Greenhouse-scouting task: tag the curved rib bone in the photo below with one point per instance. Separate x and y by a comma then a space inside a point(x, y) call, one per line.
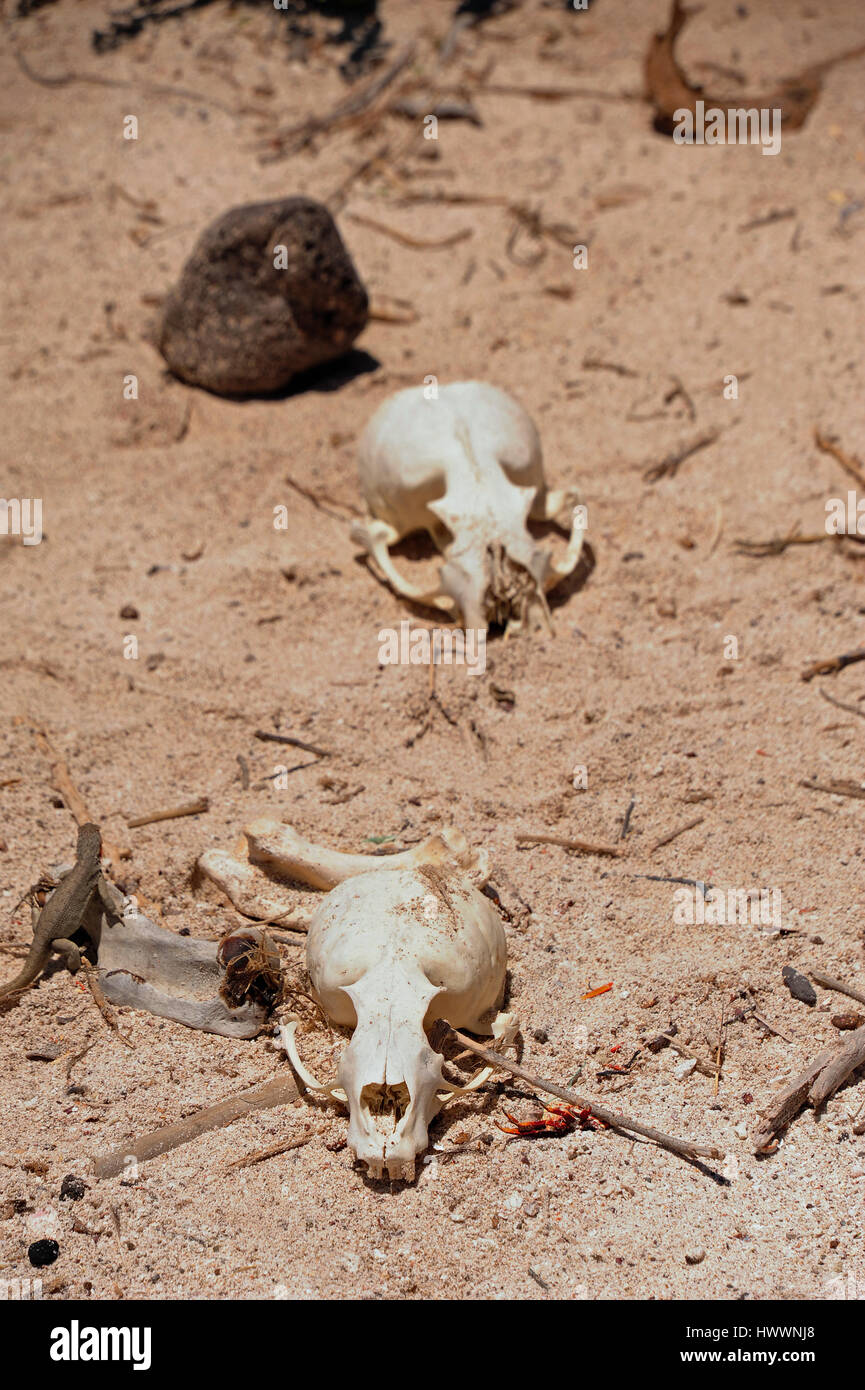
point(250, 890)
point(287, 1033)
point(375, 537)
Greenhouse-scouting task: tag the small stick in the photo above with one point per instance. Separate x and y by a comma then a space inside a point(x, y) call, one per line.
point(674, 834)
point(833, 664)
point(296, 138)
point(75, 1058)
point(828, 982)
point(820, 1079)
point(770, 1027)
point(760, 550)
point(850, 465)
point(101, 1002)
point(607, 1117)
point(702, 1065)
point(626, 822)
point(189, 808)
point(851, 1056)
point(777, 215)
point(836, 787)
point(596, 364)
point(272, 1152)
point(310, 496)
point(397, 311)
point(556, 93)
point(582, 846)
point(265, 737)
point(669, 466)
point(404, 239)
point(842, 704)
point(280, 1090)
point(720, 1053)
point(62, 782)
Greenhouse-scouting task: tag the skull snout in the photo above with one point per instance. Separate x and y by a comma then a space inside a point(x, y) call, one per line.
point(389, 1120)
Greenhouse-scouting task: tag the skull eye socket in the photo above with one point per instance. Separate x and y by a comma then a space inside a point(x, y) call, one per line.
point(387, 1103)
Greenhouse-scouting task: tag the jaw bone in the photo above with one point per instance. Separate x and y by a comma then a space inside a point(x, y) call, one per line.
point(465, 467)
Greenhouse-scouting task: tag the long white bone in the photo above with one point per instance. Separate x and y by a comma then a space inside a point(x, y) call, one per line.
point(277, 851)
point(464, 466)
point(287, 853)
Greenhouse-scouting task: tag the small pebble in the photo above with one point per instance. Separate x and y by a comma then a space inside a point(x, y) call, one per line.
point(695, 1257)
point(129, 611)
point(540, 1035)
point(43, 1252)
point(72, 1188)
point(799, 987)
point(846, 1021)
point(45, 1052)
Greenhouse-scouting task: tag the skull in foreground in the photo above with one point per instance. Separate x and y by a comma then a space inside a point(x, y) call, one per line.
point(466, 467)
point(389, 953)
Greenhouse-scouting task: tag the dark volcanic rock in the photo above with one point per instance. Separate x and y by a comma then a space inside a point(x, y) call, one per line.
point(800, 987)
point(238, 325)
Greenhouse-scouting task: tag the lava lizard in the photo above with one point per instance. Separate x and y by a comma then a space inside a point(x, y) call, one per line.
point(65, 911)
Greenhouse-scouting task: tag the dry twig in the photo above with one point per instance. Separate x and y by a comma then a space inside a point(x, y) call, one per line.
point(832, 664)
point(280, 1090)
point(189, 808)
point(669, 466)
point(842, 704)
point(828, 982)
point(101, 1002)
point(836, 786)
point(674, 834)
point(405, 239)
point(814, 1086)
point(849, 464)
point(265, 737)
point(621, 1123)
point(582, 846)
point(291, 140)
point(272, 1152)
point(62, 781)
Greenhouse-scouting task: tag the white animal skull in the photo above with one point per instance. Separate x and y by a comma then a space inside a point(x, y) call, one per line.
point(401, 941)
point(388, 954)
point(466, 467)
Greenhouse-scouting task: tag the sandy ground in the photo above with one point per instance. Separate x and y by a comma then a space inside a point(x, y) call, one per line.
point(167, 504)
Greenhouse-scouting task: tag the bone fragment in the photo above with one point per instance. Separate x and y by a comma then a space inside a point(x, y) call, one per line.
point(281, 1090)
point(284, 851)
point(250, 890)
point(143, 966)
